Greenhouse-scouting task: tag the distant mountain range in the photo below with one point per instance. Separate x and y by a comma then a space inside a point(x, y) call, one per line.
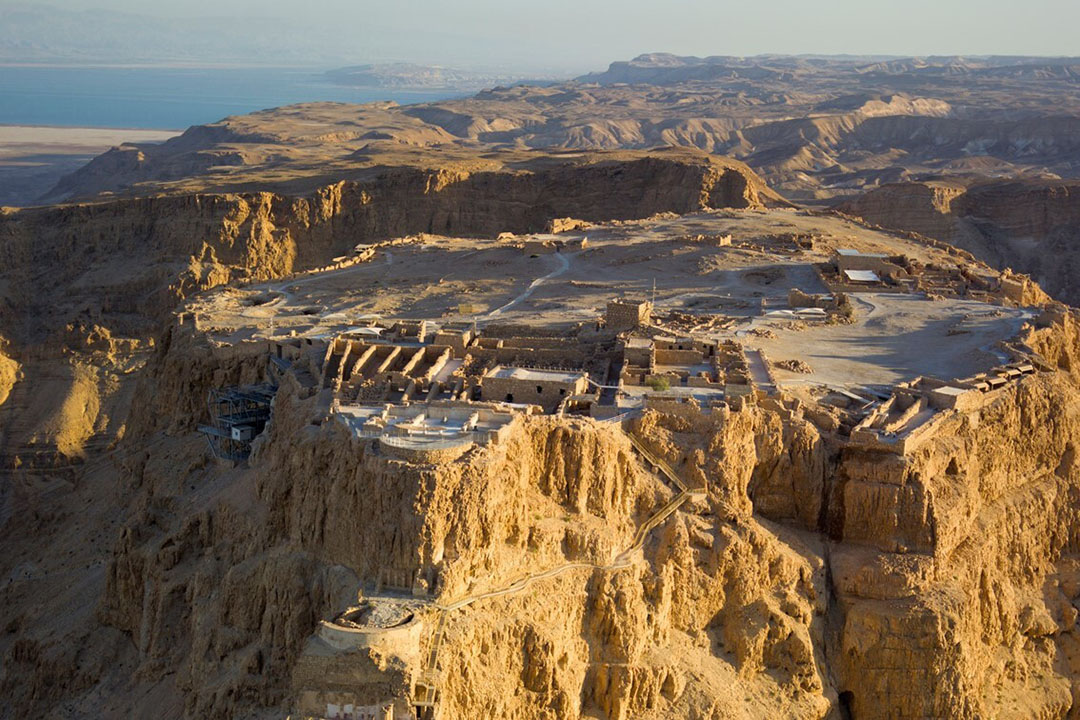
point(666, 68)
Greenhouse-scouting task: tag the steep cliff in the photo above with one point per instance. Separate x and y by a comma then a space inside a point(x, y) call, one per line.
point(721, 608)
point(554, 572)
point(87, 287)
point(300, 534)
point(1032, 226)
point(812, 578)
point(958, 568)
point(148, 253)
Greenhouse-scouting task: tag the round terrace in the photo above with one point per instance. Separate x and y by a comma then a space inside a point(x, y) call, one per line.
point(374, 622)
point(426, 448)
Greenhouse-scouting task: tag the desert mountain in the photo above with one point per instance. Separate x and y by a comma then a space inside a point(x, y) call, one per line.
point(544, 404)
point(813, 128)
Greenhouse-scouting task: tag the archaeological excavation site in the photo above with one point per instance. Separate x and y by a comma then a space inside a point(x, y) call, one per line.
point(381, 412)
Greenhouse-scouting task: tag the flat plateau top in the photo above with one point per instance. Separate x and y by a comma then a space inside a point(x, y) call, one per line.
point(464, 280)
point(895, 337)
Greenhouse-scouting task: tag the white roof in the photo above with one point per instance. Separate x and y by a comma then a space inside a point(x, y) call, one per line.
point(515, 373)
point(811, 311)
point(862, 276)
point(849, 252)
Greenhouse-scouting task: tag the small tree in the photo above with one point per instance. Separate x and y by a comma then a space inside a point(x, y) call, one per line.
point(659, 383)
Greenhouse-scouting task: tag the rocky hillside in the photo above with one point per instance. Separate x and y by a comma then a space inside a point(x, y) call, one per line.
point(810, 580)
point(808, 574)
point(86, 287)
point(814, 128)
point(1031, 226)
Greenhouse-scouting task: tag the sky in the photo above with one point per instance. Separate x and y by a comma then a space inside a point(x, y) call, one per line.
point(569, 35)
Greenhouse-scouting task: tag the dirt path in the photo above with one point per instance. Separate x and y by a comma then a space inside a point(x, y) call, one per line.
point(624, 559)
point(564, 265)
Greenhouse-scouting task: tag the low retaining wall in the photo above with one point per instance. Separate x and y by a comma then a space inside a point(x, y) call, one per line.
point(435, 452)
point(401, 637)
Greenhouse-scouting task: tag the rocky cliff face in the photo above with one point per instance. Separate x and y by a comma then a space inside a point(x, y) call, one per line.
point(950, 563)
point(87, 287)
point(718, 592)
point(483, 520)
point(942, 583)
point(297, 533)
point(149, 253)
point(1031, 226)
point(812, 579)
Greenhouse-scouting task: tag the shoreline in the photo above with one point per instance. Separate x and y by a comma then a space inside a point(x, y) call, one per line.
point(102, 128)
point(157, 66)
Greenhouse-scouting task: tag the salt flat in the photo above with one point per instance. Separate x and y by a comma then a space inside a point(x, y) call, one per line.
point(33, 158)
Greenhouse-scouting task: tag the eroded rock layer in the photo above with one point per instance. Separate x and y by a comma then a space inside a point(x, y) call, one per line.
point(940, 581)
point(1032, 226)
point(781, 565)
point(86, 287)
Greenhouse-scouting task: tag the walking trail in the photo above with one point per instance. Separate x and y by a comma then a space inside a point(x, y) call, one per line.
point(429, 685)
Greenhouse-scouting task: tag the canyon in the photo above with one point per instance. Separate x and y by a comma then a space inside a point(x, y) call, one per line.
point(1029, 225)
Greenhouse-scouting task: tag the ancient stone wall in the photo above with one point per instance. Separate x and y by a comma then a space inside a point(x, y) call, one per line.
point(625, 315)
point(547, 393)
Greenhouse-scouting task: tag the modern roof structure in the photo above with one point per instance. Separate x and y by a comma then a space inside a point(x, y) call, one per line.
point(866, 276)
point(850, 252)
point(516, 373)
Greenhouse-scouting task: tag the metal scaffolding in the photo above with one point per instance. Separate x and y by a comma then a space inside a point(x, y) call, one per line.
point(237, 415)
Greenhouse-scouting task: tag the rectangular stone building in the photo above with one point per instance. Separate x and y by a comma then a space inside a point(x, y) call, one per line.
point(546, 388)
point(627, 314)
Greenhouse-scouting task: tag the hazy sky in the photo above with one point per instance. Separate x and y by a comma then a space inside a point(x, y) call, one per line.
point(584, 35)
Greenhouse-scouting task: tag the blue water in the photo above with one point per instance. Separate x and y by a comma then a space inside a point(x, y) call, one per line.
point(166, 98)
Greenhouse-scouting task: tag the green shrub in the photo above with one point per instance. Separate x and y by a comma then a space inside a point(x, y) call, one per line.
point(659, 383)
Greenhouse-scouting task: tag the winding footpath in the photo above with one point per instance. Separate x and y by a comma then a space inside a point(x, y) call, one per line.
point(564, 265)
point(623, 560)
